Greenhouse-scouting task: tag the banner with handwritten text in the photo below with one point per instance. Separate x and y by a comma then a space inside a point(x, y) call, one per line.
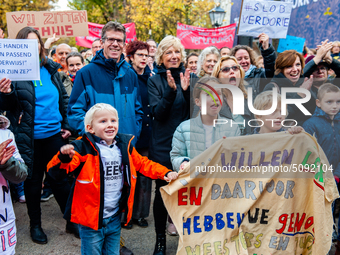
point(62, 23)
point(291, 43)
point(199, 38)
point(270, 17)
point(226, 203)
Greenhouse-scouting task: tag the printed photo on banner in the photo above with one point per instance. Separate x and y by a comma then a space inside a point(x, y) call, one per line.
point(19, 59)
point(270, 17)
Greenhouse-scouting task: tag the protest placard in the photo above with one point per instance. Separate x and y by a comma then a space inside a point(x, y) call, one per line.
point(267, 17)
point(199, 38)
point(95, 32)
point(19, 59)
point(291, 43)
point(260, 194)
point(62, 23)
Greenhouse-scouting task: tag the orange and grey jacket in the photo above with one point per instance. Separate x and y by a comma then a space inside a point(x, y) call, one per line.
point(86, 200)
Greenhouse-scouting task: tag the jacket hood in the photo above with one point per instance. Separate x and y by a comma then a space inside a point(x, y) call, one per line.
point(283, 81)
point(109, 64)
point(320, 113)
point(6, 121)
point(52, 67)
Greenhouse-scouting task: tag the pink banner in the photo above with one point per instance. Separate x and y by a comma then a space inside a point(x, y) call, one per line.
point(200, 38)
point(95, 31)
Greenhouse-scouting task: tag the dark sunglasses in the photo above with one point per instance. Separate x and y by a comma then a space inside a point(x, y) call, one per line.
point(227, 69)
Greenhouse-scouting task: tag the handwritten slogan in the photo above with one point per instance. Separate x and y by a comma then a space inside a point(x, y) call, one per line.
point(19, 59)
point(199, 38)
point(291, 43)
point(268, 17)
point(237, 212)
point(62, 23)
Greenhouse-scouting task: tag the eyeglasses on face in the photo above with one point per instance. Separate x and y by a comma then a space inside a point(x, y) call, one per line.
point(112, 40)
point(226, 69)
point(142, 55)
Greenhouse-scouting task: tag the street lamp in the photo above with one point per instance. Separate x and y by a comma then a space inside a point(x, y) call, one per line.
point(216, 16)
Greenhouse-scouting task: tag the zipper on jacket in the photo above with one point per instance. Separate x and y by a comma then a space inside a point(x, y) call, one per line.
point(125, 105)
point(20, 117)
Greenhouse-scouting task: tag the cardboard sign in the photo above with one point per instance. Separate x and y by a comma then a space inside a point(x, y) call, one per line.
point(199, 38)
point(62, 23)
point(95, 32)
point(19, 59)
point(291, 43)
point(267, 17)
point(259, 194)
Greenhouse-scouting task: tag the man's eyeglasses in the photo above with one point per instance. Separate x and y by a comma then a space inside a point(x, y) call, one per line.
point(142, 55)
point(320, 69)
point(112, 40)
point(227, 69)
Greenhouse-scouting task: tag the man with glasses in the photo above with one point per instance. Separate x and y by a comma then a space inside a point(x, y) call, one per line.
point(108, 79)
point(152, 52)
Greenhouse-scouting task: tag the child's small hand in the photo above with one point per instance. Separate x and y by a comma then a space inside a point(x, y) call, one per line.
point(68, 149)
point(171, 176)
point(184, 163)
point(295, 130)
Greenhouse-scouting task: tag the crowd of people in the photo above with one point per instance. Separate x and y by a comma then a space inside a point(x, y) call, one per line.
point(152, 93)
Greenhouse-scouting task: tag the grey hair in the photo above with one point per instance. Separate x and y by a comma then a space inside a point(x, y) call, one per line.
point(165, 44)
point(202, 57)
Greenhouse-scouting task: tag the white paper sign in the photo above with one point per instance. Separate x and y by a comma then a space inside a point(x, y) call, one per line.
point(19, 59)
point(268, 17)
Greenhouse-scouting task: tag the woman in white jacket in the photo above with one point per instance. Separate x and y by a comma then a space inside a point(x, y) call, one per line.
point(194, 136)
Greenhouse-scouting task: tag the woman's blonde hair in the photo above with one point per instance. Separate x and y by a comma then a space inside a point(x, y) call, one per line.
point(217, 69)
point(335, 43)
point(202, 58)
point(165, 44)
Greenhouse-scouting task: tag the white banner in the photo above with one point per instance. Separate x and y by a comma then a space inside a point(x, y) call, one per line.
point(268, 17)
point(19, 59)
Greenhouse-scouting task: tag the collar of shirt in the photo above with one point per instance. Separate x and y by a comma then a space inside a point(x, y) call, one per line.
point(103, 142)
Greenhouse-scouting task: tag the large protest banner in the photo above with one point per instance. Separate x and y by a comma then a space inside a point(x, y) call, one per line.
point(95, 31)
point(62, 23)
point(199, 38)
point(19, 59)
point(270, 17)
point(283, 207)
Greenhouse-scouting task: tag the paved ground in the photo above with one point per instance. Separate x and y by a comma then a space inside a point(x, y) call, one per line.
point(140, 240)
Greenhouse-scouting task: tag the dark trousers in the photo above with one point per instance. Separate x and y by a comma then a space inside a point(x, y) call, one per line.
point(44, 150)
point(160, 213)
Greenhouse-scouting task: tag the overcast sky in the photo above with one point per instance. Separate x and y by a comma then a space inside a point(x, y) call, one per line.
point(61, 5)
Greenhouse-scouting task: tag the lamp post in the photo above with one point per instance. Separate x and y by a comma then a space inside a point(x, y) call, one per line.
point(216, 16)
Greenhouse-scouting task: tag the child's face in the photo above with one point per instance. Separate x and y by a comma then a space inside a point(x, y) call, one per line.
point(104, 125)
point(212, 108)
point(330, 103)
point(272, 122)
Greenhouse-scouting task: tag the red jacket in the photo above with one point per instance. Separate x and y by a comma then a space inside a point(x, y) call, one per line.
point(86, 200)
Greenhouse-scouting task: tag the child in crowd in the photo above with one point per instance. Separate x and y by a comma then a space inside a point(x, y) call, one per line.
point(194, 136)
point(5, 134)
point(325, 126)
point(105, 166)
point(272, 122)
point(11, 169)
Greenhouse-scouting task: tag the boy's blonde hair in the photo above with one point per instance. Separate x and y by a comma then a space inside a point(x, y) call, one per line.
point(327, 88)
point(97, 107)
point(264, 101)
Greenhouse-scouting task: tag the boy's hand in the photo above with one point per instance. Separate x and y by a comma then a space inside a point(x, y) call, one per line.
point(171, 176)
point(295, 130)
point(68, 149)
point(6, 152)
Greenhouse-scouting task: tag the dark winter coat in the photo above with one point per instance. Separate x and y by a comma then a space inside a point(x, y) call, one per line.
point(19, 105)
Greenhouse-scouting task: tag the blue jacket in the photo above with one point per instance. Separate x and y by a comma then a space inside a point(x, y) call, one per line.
point(105, 81)
point(327, 133)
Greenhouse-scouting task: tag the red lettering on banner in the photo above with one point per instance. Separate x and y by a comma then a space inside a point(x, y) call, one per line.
point(10, 237)
point(30, 20)
point(69, 31)
point(181, 197)
point(19, 19)
point(45, 30)
point(294, 228)
point(196, 199)
point(48, 18)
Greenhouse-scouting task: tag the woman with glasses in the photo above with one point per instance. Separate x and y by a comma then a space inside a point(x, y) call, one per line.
point(138, 54)
point(231, 73)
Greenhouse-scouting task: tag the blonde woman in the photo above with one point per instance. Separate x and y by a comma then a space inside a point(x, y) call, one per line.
point(207, 60)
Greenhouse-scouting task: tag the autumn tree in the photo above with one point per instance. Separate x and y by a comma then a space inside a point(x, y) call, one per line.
point(22, 5)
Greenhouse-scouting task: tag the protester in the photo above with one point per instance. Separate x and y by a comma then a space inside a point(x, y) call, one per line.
point(257, 78)
point(83, 52)
point(191, 62)
point(225, 51)
point(62, 51)
point(108, 67)
point(99, 221)
point(259, 62)
point(138, 53)
point(207, 60)
point(96, 46)
point(37, 111)
point(11, 169)
point(336, 50)
point(152, 52)
point(289, 73)
point(202, 131)
point(230, 72)
point(169, 97)
point(74, 62)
